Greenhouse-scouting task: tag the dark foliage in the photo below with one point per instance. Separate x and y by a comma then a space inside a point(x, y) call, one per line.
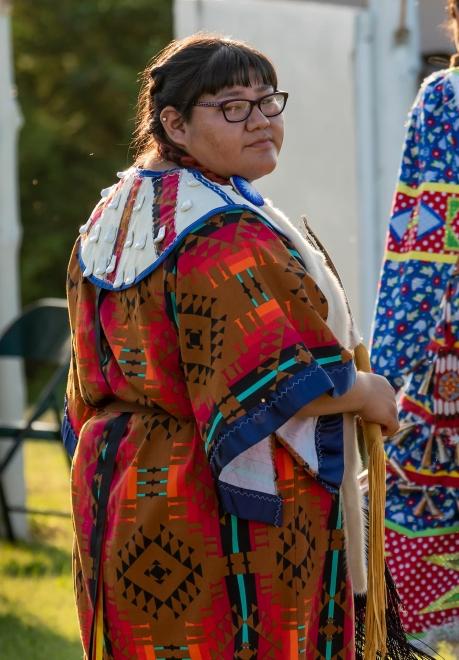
point(76, 69)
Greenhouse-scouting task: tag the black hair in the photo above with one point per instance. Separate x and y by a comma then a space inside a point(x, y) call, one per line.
point(185, 70)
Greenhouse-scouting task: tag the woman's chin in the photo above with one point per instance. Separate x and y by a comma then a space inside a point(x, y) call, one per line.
point(260, 169)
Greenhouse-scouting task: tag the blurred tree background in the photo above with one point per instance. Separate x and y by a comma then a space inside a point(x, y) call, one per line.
point(76, 67)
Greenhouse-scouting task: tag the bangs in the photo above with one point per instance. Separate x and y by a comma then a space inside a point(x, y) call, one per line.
point(233, 65)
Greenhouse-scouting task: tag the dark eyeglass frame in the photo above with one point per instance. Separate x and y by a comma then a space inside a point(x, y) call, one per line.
point(221, 105)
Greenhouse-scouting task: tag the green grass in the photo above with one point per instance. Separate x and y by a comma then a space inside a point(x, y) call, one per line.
point(38, 619)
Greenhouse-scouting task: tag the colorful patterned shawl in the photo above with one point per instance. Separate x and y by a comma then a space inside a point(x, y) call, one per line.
point(416, 346)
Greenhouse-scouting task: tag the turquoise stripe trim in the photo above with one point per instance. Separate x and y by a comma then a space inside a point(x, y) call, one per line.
point(142, 363)
point(286, 365)
point(243, 597)
point(217, 419)
point(239, 277)
point(256, 386)
point(265, 379)
point(234, 538)
point(247, 393)
point(331, 605)
point(174, 308)
point(333, 581)
point(240, 581)
point(162, 493)
point(329, 360)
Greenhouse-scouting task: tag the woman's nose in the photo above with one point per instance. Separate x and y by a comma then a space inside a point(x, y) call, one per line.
point(256, 119)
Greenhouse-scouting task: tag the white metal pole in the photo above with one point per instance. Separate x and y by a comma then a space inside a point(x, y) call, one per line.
point(11, 381)
point(387, 68)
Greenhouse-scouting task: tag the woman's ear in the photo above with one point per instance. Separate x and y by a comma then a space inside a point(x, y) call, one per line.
point(174, 125)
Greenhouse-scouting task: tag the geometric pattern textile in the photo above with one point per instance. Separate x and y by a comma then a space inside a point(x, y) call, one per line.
point(210, 353)
point(416, 346)
point(426, 565)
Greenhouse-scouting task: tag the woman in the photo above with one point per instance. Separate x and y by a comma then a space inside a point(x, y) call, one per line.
point(415, 345)
point(211, 372)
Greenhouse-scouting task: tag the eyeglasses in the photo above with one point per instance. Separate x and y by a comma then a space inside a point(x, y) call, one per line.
point(235, 110)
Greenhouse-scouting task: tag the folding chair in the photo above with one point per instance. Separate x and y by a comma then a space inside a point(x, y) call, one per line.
point(41, 335)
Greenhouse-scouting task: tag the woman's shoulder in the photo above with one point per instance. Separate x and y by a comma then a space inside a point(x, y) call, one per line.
point(146, 215)
point(437, 87)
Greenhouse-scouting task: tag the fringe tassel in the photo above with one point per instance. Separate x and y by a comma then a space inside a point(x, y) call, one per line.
point(376, 605)
point(398, 647)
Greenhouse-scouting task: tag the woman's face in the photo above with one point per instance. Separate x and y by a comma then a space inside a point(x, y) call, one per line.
point(248, 148)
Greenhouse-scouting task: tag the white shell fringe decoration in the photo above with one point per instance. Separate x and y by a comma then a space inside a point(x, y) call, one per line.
point(110, 236)
point(94, 237)
point(88, 269)
point(111, 264)
point(160, 236)
point(100, 270)
point(129, 239)
point(139, 203)
point(141, 243)
point(129, 279)
point(114, 203)
point(118, 280)
point(84, 228)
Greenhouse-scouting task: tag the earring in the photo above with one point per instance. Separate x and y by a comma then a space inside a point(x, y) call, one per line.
point(163, 118)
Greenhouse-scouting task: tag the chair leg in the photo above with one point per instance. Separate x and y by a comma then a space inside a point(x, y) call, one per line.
point(5, 510)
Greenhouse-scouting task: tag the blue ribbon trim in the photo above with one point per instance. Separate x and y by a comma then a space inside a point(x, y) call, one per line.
point(69, 437)
point(330, 448)
point(264, 419)
point(250, 504)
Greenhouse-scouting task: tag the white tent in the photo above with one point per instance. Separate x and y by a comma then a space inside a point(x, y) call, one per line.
point(11, 383)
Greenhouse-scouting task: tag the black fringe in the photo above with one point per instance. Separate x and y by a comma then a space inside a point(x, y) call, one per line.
point(398, 646)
